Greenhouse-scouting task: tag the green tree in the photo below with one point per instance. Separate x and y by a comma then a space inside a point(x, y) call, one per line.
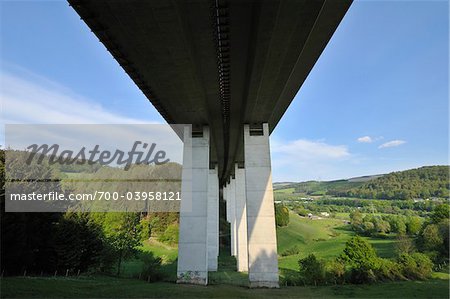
point(431, 237)
point(413, 225)
point(123, 234)
point(281, 215)
point(356, 219)
point(416, 265)
point(397, 224)
point(440, 213)
point(362, 259)
point(312, 270)
point(404, 244)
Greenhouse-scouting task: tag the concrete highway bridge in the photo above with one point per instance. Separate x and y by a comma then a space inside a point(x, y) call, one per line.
point(231, 69)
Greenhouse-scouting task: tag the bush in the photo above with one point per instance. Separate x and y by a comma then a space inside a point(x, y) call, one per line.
point(302, 212)
point(170, 235)
point(335, 272)
point(362, 260)
point(290, 277)
point(312, 270)
point(281, 215)
point(415, 266)
point(388, 270)
point(291, 251)
point(358, 253)
point(151, 270)
point(145, 228)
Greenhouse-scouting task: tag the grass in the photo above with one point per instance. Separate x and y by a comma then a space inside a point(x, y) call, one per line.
point(285, 191)
point(324, 237)
point(168, 254)
point(108, 287)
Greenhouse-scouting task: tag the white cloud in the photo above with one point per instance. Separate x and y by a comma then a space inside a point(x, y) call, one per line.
point(304, 159)
point(392, 143)
point(31, 99)
point(365, 139)
point(309, 149)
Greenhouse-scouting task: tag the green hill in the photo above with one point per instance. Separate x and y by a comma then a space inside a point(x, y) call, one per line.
point(424, 182)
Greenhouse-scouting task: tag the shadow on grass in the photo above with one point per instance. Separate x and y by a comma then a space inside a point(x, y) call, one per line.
point(226, 273)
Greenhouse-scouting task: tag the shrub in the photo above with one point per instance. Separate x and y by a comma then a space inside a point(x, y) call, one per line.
point(362, 260)
point(312, 270)
point(151, 270)
point(388, 270)
point(404, 244)
point(145, 228)
point(431, 237)
point(290, 277)
point(291, 251)
point(170, 235)
point(281, 215)
point(415, 266)
point(335, 272)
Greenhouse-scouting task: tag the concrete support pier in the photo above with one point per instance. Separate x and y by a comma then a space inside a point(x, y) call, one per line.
point(241, 220)
point(261, 234)
point(232, 202)
point(213, 219)
point(193, 240)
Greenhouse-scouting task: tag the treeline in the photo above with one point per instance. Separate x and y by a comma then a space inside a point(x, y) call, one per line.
point(425, 182)
point(381, 225)
point(430, 236)
point(405, 208)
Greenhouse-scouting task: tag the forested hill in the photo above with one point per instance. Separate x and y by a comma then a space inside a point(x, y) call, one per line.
point(424, 182)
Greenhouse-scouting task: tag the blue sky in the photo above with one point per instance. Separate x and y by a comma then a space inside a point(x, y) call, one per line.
point(376, 100)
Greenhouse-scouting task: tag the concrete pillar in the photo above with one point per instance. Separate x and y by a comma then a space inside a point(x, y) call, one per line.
point(192, 244)
point(213, 219)
point(241, 220)
point(227, 204)
point(261, 234)
point(233, 230)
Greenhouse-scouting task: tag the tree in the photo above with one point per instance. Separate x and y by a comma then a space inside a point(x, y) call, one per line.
point(413, 225)
point(404, 244)
point(368, 228)
point(431, 237)
point(356, 219)
point(397, 224)
point(358, 252)
point(79, 243)
point(123, 234)
point(281, 215)
point(362, 259)
point(440, 212)
point(416, 265)
point(312, 270)
point(382, 226)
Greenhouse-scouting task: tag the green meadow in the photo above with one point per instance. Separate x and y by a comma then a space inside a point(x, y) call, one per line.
point(324, 237)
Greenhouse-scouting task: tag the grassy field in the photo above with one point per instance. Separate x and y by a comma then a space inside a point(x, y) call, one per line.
point(324, 237)
point(285, 191)
point(168, 254)
point(108, 287)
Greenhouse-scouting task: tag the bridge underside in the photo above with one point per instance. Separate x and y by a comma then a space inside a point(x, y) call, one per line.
point(217, 63)
point(231, 69)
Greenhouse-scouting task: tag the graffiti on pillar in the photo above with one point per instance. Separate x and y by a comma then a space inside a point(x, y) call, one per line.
point(191, 277)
